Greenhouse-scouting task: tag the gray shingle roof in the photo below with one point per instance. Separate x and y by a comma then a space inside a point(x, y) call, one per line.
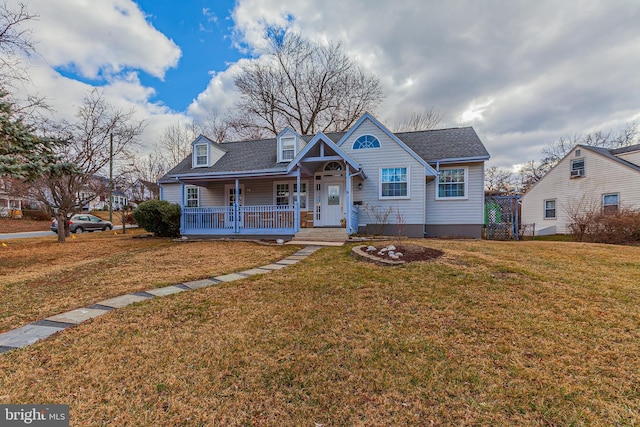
point(611, 154)
point(431, 145)
point(441, 144)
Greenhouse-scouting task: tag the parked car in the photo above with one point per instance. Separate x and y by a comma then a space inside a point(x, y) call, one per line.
point(83, 222)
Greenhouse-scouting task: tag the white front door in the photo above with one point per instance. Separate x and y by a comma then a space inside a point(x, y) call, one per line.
point(332, 203)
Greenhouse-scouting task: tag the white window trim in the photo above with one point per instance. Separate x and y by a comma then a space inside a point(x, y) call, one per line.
point(186, 196)
point(466, 184)
point(544, 209)
point(195, 155)
point(353, 146)
point(281, 158)
point(292, 197)
point(408, 196)
point(617, 205)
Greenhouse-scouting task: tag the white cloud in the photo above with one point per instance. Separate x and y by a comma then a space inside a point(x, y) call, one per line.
point(98, 38)
point(523, 74)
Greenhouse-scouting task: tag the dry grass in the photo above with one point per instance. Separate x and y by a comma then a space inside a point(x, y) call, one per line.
point(493, 333)
point(40, 278)
point(10, 225)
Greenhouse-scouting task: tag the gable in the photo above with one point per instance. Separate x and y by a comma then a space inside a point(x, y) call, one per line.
point(387, 143)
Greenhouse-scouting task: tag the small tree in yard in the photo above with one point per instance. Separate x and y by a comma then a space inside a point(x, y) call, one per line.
point(159, 217)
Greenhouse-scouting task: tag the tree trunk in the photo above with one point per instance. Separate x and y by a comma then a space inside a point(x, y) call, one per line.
point(61, 217)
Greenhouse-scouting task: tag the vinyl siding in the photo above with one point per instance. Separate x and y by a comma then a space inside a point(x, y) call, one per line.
point(389, 155)
point(171, 193)
point(602, 176)
point(633, 157)
point(257, 192)
point(464, 211)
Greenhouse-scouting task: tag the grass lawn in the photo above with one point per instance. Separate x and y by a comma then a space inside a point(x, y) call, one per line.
point(492, 333)
point(40, 277)
point(11, 225)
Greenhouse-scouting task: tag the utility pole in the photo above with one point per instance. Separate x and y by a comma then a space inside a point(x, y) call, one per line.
point(111, 178)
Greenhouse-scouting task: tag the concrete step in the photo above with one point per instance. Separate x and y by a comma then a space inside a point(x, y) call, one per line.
point(321, 235)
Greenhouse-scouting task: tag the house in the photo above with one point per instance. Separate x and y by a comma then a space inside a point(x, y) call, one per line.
point(95, 195)
point(586, 178)
point(10, 204)
point(427, 183)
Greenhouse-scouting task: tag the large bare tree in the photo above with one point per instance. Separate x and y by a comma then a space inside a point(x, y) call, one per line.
point(302, 84)
point(419, 120)
point(88, 141)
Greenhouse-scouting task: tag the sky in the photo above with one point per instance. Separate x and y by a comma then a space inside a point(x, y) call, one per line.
point(522, 73)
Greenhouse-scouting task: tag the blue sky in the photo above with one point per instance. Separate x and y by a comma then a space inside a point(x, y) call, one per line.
point(203, 30)
point(523, 74)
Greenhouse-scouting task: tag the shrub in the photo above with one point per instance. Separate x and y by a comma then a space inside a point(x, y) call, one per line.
point(36, 215)
point(621, 227)
point(159, 217)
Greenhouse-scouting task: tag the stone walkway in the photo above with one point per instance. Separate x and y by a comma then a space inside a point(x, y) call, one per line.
point(29, 334)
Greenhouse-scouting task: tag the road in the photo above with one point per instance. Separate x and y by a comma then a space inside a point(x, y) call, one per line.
point(25, 235)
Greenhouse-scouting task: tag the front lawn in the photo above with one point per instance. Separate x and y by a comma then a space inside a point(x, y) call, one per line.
point(40, 277)
point(492, 333)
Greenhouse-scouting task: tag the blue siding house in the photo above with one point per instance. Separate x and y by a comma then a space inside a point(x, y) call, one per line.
point(425, 183)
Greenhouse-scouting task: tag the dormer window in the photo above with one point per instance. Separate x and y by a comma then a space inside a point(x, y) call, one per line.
point(288, 148)
point(201, 154)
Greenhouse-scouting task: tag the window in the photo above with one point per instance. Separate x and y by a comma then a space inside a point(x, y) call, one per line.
point(288, 150)
point(284, 196)
point(333, 166)
point(577, 168)
point(366, 141)
point(303, 194)
point(610, 203)
point(394, 183)
point(201, 155)
point(452, 184)
point(549, 209)
point(193, 197)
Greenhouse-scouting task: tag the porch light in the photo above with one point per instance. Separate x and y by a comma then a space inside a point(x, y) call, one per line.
point(359, 186)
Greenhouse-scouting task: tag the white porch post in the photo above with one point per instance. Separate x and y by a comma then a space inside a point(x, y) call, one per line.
point(182, 196)
point(296, 215)
point(236, 210)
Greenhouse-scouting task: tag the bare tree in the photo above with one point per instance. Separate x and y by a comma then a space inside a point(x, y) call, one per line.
point(15, 40)
point(302, 84)
point(175, 143)
point(87, 148)
point(499, 181)
point(419, 120)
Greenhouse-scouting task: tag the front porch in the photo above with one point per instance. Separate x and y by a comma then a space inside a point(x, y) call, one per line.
point(239, 220)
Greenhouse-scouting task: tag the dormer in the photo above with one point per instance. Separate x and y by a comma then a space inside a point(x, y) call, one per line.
point(289, 144)
point(205, 152)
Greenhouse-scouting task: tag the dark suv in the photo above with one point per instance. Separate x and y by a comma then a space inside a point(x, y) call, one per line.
point(83, 222)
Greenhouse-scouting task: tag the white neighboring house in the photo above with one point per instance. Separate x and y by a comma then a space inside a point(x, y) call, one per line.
point(430, 182)
point(10, 205)
point(590, 177)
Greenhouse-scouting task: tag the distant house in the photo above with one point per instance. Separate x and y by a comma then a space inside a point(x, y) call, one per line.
point(95, 195)
point(10, 204)
point(427, 183)
point(586, 178)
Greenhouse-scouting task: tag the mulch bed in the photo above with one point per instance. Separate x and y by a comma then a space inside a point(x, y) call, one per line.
point(411, 253)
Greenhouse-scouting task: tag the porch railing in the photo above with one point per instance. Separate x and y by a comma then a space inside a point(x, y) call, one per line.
point(240, 220)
